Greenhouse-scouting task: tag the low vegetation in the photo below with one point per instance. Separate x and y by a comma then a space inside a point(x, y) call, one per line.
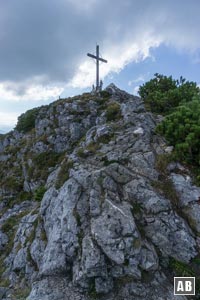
point(107, 162)
point(182, 130)
point(12, 183)
point(22, 293)
point(179, 101)
point(9, 227)
point(113, 112)
point(166, 188)
point(41, 164)
point(81, 153)
point(39, 193)
point(92, 147)
point(105, 94)
point(161, 94)
point(162, 161)
point(106, 138)
point(26, 121)
point(181, 269)
point(63, 174)
point(47, 159)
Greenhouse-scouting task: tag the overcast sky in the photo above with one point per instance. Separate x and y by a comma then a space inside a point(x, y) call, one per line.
point(43, 46)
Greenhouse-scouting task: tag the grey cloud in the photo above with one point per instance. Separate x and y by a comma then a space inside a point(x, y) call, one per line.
point(48, 39)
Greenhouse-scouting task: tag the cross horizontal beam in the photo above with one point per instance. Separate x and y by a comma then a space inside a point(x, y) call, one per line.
point(97, 66)
point(99, 58)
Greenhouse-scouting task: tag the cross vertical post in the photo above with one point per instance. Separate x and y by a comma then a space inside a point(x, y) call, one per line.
point(97, 66)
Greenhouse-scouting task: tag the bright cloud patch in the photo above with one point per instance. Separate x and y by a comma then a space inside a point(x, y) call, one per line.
point(50, 39)
point(14, 92)
point(118, 57)
point(44, 43)
point(7, 119)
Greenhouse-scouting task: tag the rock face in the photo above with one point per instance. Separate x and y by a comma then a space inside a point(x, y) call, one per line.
point(105, 228)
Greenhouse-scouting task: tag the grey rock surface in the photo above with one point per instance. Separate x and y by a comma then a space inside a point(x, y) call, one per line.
point(186, 190)
point(189, 199)
point(105, 230)
point(3, 240)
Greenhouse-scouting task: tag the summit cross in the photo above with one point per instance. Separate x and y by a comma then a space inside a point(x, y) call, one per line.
point(97, 65)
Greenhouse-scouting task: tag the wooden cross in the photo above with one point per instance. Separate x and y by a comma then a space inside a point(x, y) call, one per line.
point(97, 65)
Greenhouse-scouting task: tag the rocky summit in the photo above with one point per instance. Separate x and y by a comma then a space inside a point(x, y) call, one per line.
point(93, 206)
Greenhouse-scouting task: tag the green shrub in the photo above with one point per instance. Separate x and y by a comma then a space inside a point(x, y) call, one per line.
point(161, 94)
point(26, 121)
point(105, 94)
point(179, 100)
point(113, 112)
point(182, 130)
point(39, 193)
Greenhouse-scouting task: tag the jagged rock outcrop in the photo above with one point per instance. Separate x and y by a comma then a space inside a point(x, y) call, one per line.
point(105, 228)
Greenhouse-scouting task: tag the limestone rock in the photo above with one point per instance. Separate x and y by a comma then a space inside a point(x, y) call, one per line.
point(110, 231)
point(189, 199)
point(171, 234)
point(20, 260)
point(115, 231)
point(3, 240)
point(186, 190)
